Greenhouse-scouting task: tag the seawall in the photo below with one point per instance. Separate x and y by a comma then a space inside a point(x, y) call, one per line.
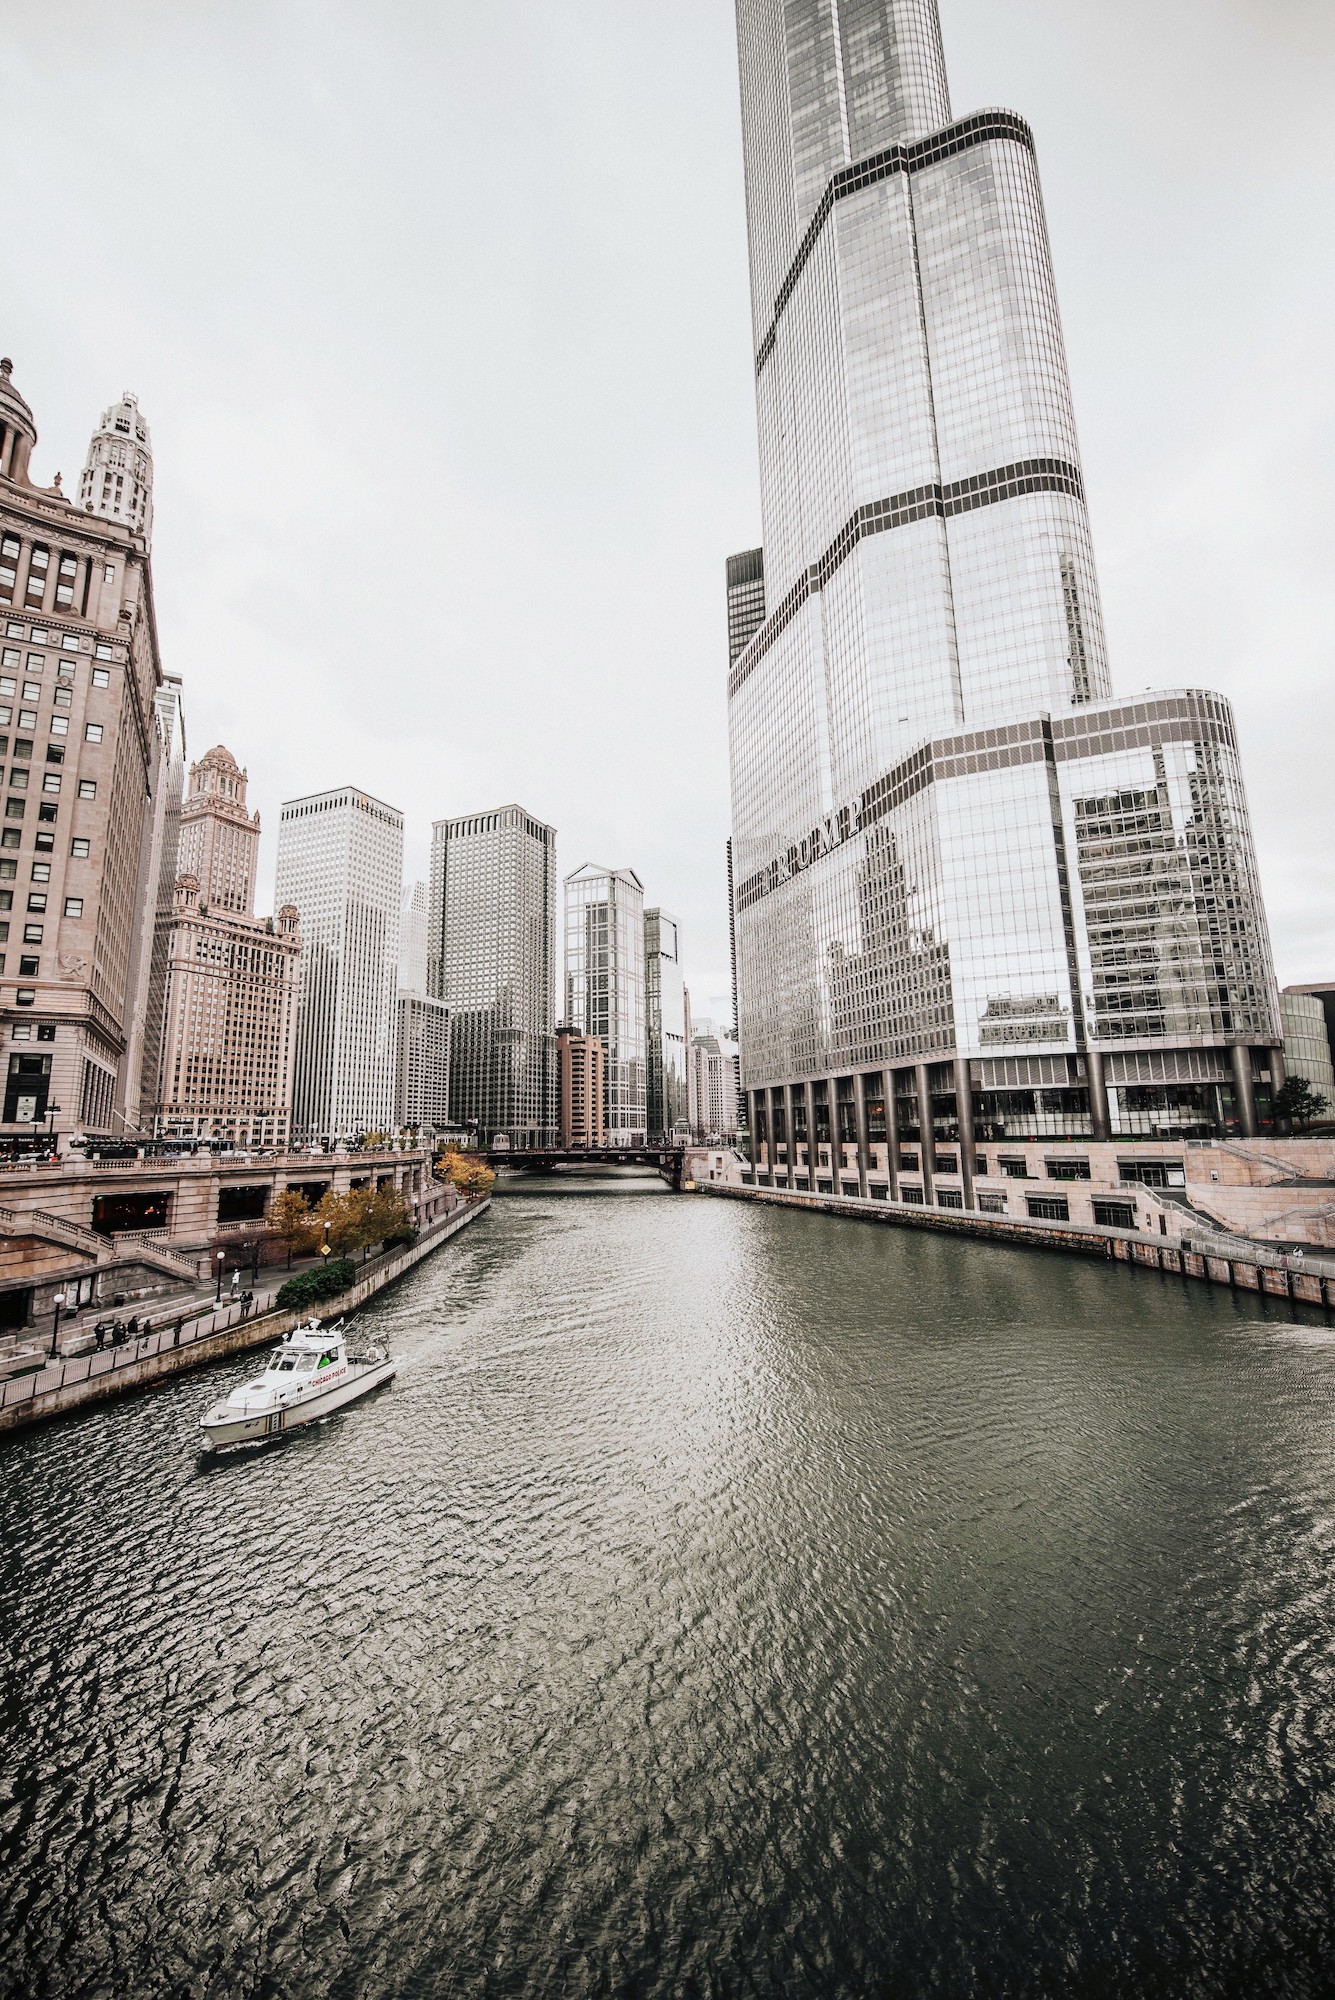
point(1272, 1275)
point(94, 1378)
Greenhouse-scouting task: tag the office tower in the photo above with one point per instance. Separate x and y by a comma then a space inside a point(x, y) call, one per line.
point(604, 991)
point(1307, 1044)
point(972, 889)
point(412, 939)
point(340, 864)
point(423, 1099)
point(664, 1025)
point(225, 1053)
point(712, 1087)
point(746, 600)
point(80, 755)
point(491, 958)
point(117, 482)
point(148, 975)
point(582, 1087)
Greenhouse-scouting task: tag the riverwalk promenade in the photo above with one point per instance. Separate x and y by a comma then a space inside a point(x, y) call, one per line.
point(181, 1344)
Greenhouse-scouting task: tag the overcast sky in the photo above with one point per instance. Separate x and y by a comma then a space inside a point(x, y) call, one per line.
point(438, 315)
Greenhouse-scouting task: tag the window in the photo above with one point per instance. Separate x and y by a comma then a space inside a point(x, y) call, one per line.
point(27, 967)
point(908, 1163)
point(10, 838)
point(37, 902)
point(992, 1204)
point(1014, 1170)
point(23, 1031)
point(19, 780)
point(60, 726)
point(92, 732)
point(64, 698)
point(51, 781)
point(945, 1163)
point(70, 643)
point(87, 788)
point(8, 685)
point(26, 995)
point(74, 906)
point(1049, 1207)
point(10, 657)
point(40, 635)
point(32, 933)
point(41, 871)
point(1153, 1173)
point(48, 813)
point(909, 1193)
point(79, 849)
point(102, 650)
point(46, 1031)
point(1114, 1214)
point(101, 678)
point(949, 1198)
point(108, 572)
point(1067, 1170)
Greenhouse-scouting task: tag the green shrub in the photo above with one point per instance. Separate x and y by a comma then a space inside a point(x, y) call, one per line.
point(403, 1241)
point(326, 1281)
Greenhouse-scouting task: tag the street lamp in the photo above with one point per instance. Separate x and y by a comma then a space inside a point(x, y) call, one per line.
point(217, 1295)
point(324, 1247)
point(57, 1302)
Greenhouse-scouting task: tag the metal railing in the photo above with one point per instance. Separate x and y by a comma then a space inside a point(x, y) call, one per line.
point(57, 1375)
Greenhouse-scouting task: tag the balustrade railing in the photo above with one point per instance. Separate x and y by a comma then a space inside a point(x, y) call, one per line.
point(57, 1375)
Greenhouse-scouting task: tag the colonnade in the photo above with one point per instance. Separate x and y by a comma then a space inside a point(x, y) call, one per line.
point(761, 1107)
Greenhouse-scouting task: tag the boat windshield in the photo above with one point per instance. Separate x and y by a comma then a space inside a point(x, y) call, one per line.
point(306, 1363)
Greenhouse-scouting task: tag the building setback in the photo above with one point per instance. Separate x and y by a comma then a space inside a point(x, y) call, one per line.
point(974, 893)
point(664, 1025)
point(582, 1063)
point(340, 864)
point(604, 986)
point(147, 1006)
point(491, 960)
point(82, 767)
point(228, 1041)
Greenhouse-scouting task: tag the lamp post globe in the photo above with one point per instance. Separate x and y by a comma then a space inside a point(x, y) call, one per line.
point(217, 1290)
point(58, 1301)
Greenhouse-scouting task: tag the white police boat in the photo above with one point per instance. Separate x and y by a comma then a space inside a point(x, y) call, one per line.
point(308, 1376)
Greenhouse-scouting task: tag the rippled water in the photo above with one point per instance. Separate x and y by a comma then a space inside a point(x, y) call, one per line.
point(723, 1601)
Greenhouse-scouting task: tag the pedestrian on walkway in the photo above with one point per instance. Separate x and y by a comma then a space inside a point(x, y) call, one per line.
point(100, 1334)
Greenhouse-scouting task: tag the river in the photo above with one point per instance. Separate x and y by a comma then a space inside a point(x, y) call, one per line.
point(723, 1601)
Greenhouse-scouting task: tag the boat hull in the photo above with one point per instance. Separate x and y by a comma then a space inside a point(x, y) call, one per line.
point(223, 1425)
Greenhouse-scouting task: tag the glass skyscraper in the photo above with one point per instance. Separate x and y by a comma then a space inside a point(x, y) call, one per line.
point(974, 893)
point(491, 951)
point(604, 993)
point(340, 862)
point(664, 1026)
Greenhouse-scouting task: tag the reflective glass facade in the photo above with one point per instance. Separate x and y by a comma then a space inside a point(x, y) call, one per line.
point(665, 1026)
point(951, 845)
point(604, 990)
point(340, 863)
point(491, 958)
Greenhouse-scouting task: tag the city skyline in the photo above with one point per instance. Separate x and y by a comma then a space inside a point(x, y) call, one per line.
point(1172, 441)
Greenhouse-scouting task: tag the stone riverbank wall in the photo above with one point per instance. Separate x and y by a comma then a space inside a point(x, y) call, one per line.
point(92, 1378)
point(1246, 1270)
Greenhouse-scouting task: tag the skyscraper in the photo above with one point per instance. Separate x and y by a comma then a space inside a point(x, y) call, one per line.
point(221, 1065)
point(664, 1025)
point(80, 676)
point(972, 889)
point(340, 863)
point(604, 992)
point(412, 938)
point(148, 977)
point(491, 951)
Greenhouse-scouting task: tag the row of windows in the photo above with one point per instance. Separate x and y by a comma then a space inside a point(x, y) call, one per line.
point(44, 564)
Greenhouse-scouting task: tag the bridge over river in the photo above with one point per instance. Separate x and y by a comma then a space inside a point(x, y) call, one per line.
point(665, 1160)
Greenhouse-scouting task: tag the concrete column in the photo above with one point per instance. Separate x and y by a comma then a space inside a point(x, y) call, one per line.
point(789, 1099)
point(891, 1134)
point(964, 1114)
point(927, 1141)
point(1100, 1124)
point(860, 1118)
point(1242, 1087)
point(813, 1150)
point(1278, 1073)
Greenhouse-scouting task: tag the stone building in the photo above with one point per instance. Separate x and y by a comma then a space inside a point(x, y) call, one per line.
point(231, 978)
point(83, 768)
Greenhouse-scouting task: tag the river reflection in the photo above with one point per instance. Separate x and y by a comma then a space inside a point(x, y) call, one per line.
point(723, 1601)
